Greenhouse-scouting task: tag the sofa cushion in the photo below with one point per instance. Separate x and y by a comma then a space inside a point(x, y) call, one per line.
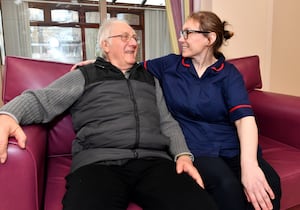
point(250, 69)
point(27, 73)
point(61, 136)
point(283, 158)
point(276, 114)
point(58, 168)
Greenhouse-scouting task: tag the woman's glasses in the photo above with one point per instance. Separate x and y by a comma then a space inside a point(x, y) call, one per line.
point(185, 33)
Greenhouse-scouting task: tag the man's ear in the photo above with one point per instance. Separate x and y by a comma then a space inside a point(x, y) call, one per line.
point(105, 45)
point(211, 38)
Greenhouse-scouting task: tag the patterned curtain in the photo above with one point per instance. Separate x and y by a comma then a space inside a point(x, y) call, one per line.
point(16, 28)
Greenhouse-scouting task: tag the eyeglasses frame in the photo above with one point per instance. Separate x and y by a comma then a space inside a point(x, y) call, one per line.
point(185, 33)
point(125, 37)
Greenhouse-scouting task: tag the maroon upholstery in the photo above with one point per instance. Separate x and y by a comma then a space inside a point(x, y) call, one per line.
point(33, 179)
point(278, 119)
point(250, 69)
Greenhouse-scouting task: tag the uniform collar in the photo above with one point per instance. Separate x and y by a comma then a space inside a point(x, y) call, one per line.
point(216, 67)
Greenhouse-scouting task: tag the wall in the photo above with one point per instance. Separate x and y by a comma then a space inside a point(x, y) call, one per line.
point(286, 46)
point(261, 28)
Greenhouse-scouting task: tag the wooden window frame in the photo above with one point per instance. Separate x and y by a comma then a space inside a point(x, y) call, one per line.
point(81, 9)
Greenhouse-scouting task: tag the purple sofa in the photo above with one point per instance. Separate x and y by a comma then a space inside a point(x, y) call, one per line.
point(33, 178)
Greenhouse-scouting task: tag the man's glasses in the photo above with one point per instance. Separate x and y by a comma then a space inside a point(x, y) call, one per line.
point(185, 33)
point(125, 37)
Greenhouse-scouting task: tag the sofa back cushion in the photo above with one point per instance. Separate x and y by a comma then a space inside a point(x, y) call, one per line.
point(24, 73)
point(250, 69)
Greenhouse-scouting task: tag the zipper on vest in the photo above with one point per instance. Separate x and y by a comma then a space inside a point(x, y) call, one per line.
point(135, 154)
point(136, 115)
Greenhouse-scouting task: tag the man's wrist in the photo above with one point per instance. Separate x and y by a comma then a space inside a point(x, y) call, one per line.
point(190, 155)
point(10, 115)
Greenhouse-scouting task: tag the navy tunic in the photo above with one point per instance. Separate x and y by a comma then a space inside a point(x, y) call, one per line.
point(205, 107)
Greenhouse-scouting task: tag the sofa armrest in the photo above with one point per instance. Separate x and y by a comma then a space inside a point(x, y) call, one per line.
point(22, 176)
point(277, 115)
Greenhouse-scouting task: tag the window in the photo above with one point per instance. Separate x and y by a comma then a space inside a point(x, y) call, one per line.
point(56, 43)
point(36, 14)
point(68, 32)
point(92, 17)
point(64, 16)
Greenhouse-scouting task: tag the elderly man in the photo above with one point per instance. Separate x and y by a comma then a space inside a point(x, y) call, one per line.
point(127, 145)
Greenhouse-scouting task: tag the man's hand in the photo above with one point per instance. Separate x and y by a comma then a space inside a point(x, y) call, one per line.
point(185, 164)
point(9, 128)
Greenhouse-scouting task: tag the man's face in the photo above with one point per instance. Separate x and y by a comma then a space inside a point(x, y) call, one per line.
point(121, 47)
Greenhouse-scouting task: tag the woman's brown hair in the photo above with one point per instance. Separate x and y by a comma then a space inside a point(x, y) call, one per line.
point(209, 21)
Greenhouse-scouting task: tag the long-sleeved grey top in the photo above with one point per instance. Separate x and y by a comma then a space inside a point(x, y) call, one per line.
point(68, 92)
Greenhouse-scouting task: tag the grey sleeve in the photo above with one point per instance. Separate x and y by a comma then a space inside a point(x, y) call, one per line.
point(42, 105)
point(170, 127)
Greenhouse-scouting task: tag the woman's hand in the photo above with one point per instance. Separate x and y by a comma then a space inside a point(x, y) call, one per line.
point(256, 187)
point(82, 63)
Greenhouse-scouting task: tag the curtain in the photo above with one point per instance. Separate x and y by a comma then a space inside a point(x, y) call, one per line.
point(177, 11)
point(16, 28)
point(157, 42)
point(2, 52)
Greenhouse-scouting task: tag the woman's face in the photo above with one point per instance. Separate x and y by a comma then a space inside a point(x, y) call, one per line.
point(196, 42)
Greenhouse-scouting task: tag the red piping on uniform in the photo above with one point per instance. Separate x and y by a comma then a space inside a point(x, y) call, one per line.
point(240, 106)
point(218, 69)
point(184, 64)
